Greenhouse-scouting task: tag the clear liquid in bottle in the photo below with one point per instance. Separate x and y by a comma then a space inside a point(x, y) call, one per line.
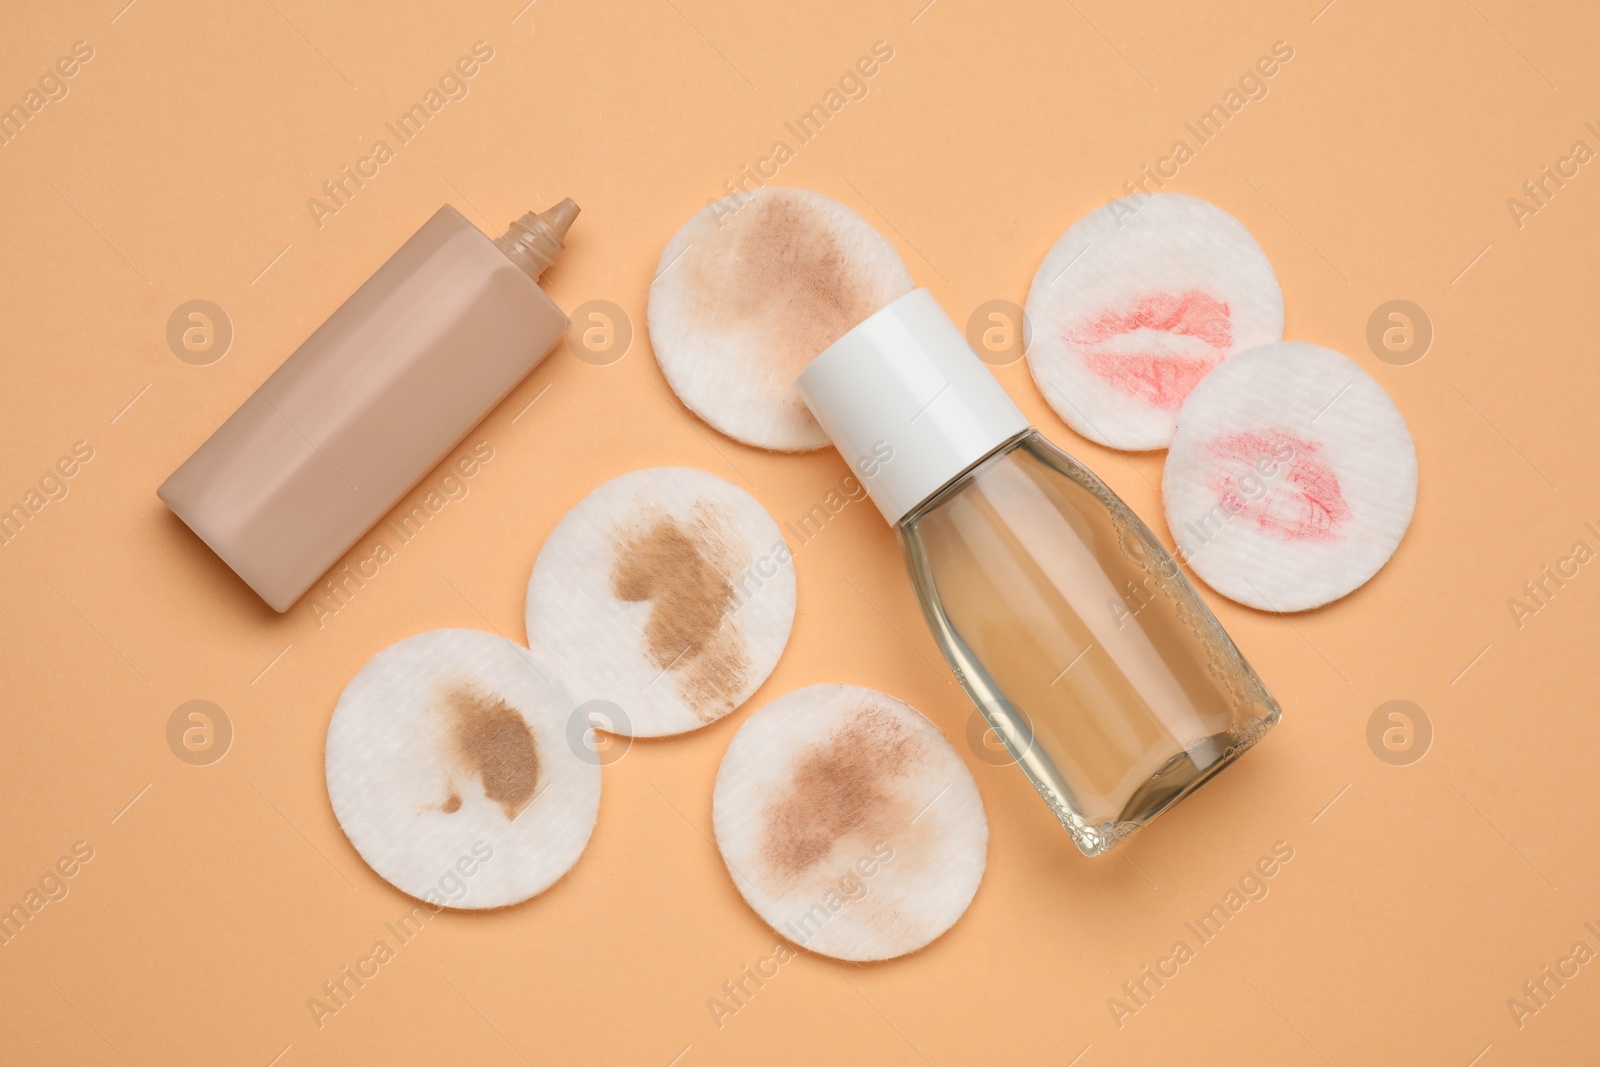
point(1074, 631)
point(1107, 678)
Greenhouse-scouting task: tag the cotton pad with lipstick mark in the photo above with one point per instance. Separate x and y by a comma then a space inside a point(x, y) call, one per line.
point(849, 823)
point(667, 592)
point(450, 772)
point(1136, 303)
point(1291, 478)
point(750, 290)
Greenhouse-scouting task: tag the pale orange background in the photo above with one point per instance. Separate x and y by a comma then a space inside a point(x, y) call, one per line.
point(220, 900)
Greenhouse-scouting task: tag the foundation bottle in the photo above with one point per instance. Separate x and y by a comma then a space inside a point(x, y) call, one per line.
point(373, 400)
point(1109, 681)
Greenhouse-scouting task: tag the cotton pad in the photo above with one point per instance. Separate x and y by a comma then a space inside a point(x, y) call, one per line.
point(668, 592)
point(449, 771)
point(750, 290)
point(1291, 477)
point(1135, 304)
point(848, 823)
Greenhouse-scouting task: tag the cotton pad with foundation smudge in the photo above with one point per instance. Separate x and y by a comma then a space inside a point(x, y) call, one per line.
point(753, 288)
point(849, 824)
point(450, 771)
point(1291, 478)
point(667, 592)
point(1136, 303)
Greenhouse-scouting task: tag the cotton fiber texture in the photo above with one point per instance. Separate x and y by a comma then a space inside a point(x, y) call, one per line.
point(750, 290)
point(1291, 478)
point(849, 824)
point(1135, 304)
point(450, 771)
point(668, 593)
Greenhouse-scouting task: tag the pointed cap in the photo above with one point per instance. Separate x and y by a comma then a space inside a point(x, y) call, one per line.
point(533, 241)
point(559, 218)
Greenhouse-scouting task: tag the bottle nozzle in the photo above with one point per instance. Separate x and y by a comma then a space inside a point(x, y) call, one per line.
point(559, 218)
point(533, 241)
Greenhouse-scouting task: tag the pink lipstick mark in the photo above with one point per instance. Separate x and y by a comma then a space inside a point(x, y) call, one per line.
point(1306, 505)
point(1173, 341)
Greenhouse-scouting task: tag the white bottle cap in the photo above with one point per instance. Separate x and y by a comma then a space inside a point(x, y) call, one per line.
point(907, 402)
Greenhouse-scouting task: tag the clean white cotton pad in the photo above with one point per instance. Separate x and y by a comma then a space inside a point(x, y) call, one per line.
point(668, 592)
point(1135, 304)
point(450, 772)
point(750, 290)
point(1291, 478)
point(849, 824)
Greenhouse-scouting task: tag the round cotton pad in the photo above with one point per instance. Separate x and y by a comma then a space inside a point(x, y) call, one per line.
point(1135, 304)
point(667, 592)
point(750, 290)
point(849, 824)
point(450, 772)
point(1291, 478)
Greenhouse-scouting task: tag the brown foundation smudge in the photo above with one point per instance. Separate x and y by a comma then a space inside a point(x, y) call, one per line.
point(452, 803)
point(686, 573)
point(493, 742)
point(842, 787)
point(778, 267)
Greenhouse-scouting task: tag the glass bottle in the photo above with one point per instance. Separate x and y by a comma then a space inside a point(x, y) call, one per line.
point(1092, 658)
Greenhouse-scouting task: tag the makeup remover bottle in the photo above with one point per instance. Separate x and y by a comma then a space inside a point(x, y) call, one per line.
point(1091, 656)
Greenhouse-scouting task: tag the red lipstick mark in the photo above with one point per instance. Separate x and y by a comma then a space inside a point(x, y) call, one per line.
point(1305, 503)
point(1159, 347)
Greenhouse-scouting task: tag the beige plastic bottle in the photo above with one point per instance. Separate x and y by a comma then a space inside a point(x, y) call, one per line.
point(373, 400)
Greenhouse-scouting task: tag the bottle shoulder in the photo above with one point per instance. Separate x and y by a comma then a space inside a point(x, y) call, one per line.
point(1030, 452)
point(955, 486)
